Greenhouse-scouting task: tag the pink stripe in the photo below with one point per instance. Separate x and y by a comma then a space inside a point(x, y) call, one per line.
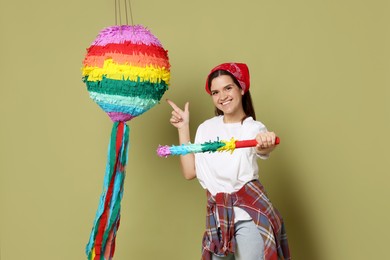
point(136, 34)
point(119, 117)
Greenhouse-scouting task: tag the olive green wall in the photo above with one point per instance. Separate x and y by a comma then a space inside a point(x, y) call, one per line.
point(320, 80)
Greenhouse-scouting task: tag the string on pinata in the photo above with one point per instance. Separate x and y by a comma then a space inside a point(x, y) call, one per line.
point(212, 146)
point(126, 71)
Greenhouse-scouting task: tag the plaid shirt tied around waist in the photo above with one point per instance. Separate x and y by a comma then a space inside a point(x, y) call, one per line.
point(220, 240)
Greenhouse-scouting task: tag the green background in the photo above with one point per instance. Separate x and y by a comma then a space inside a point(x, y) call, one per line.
point(320, 80)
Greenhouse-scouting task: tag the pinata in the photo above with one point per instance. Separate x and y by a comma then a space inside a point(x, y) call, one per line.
point(126, 71)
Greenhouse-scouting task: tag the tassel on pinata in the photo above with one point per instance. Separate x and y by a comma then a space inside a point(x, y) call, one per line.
point(102, 239)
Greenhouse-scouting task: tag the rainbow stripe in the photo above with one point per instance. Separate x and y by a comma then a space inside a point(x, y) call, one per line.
point(126, 71)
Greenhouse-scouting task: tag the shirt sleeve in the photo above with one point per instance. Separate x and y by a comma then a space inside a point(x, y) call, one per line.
point(261, 156)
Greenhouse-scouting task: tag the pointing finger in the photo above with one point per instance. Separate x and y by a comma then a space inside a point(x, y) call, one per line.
point(173, 105)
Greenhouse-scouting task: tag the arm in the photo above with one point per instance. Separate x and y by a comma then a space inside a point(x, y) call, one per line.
point(181, 119)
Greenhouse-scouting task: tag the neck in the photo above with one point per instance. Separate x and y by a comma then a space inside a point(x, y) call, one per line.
point(233, 118)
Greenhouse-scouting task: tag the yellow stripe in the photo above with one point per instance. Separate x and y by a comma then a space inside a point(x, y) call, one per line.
point(229, 145)
point(119, 72)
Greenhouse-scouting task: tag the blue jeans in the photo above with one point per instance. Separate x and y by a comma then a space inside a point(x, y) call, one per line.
point(250, 244)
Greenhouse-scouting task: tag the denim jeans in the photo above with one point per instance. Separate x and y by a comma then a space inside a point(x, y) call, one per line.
point(250, 244)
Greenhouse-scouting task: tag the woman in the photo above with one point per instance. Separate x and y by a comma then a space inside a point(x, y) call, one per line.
point(241, 222)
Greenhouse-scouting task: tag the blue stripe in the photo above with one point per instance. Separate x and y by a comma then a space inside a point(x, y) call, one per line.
point(131, 109)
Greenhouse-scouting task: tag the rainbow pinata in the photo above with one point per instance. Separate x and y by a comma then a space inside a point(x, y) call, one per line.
point(126, 71)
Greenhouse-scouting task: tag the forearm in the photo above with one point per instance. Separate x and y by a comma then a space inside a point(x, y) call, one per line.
point(187, 161)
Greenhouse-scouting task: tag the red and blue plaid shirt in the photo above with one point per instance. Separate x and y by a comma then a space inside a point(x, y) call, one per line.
point(253, 199)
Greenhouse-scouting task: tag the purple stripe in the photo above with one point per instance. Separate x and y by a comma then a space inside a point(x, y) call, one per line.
point(136, 34)
point(119, 117)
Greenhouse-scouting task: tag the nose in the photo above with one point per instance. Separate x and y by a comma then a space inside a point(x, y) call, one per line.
point(222, 95)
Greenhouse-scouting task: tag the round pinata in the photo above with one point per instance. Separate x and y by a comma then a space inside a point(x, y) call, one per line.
point(126, 70)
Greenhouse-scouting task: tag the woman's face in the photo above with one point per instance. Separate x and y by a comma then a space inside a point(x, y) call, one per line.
point(227, 96)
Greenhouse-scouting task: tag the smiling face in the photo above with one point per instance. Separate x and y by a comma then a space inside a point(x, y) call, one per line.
point(227, 97)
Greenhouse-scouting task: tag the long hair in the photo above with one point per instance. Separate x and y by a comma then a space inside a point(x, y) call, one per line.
point(246, 98)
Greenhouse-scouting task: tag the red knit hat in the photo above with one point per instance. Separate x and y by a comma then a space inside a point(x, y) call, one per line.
point(239, 70)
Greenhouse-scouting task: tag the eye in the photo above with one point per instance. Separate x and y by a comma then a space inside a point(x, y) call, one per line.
point(228, 88)
point(213, 93)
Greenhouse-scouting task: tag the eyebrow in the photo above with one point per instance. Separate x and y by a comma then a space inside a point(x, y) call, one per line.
point(228, 85)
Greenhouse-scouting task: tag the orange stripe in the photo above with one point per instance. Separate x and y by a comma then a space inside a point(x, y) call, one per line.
point(139, 60)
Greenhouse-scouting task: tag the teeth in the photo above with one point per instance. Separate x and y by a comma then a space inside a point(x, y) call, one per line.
point(225, 103)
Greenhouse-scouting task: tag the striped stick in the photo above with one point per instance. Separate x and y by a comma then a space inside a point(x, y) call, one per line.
point(215, 146)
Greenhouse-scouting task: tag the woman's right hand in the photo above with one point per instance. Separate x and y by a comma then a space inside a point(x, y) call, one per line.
point(180, 118)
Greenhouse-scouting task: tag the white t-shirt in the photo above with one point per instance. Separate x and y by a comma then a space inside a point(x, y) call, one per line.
point(222, 171)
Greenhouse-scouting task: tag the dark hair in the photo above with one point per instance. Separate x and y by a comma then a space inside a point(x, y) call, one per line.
point(246, 98)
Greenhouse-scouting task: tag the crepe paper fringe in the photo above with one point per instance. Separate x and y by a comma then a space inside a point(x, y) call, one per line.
point(136, 34)
point(137, 60)
point(128, 88)
point(125, 97)
point(126, 71)
point(118, 103)
point(101, 245)
point(119, 116)
point(127, 48)
point(212, 146)
point(112, 70)
point(130, 110)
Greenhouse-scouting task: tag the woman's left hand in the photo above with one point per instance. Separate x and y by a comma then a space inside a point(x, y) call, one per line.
point(265, 142)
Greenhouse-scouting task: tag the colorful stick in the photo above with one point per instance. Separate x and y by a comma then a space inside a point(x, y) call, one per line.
point(216, 146)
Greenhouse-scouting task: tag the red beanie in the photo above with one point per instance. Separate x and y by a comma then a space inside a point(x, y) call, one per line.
point(239, 70)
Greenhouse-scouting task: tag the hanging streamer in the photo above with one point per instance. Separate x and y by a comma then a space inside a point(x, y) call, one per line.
point(101, 244)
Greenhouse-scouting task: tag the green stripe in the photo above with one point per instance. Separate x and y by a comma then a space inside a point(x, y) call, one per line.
point(212, 146)
point(146, 89)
